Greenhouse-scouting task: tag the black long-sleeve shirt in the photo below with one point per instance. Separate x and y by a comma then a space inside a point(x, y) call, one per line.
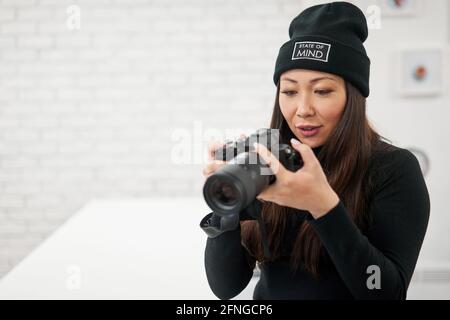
point(399, 218)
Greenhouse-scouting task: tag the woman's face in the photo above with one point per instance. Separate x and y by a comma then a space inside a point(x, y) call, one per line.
point(312, 98)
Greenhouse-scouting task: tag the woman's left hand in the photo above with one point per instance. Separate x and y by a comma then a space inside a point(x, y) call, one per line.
point(307, 189)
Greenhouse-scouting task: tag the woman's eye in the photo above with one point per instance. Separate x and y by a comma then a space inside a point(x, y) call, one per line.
point(323, 92)
point(289, 93)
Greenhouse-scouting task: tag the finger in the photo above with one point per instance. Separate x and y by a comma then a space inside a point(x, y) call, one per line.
point(212, 147)
point(212, 167)
point(275, 166)
point(308, 156)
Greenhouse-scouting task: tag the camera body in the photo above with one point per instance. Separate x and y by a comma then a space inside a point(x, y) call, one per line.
point(245, 175)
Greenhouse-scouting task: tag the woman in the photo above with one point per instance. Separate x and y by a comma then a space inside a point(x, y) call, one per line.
point(350, 223)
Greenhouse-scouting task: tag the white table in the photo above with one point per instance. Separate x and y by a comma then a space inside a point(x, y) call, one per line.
point(120, 249)
point(134, 249)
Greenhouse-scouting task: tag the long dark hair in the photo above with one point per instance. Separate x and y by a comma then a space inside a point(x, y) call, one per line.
point(345, 158)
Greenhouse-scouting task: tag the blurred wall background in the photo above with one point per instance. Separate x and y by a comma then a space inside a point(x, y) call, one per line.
point(95, 111)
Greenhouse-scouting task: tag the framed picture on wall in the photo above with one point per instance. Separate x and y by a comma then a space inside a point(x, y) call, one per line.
point(400, 7)
point(421, 71)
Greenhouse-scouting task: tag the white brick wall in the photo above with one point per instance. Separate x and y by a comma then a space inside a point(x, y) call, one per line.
point(90, 112)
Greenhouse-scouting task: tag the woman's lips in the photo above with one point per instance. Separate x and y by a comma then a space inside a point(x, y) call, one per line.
point(309, 133)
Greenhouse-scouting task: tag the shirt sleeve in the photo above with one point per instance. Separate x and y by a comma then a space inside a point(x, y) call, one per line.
point(399, 220)
point(228, 265)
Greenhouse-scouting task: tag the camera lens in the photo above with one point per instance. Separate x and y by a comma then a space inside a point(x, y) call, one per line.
point(224, 193)
point(234, 186)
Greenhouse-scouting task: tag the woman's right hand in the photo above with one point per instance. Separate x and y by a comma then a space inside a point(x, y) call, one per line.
point(213, 165)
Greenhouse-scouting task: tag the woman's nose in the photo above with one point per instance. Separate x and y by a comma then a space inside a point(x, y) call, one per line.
point(304, 109)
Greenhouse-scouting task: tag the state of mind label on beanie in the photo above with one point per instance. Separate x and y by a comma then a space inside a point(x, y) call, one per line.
point(311, 50)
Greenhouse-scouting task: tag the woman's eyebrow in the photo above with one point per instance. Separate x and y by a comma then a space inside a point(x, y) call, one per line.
point(310, 81)
point(290, 80)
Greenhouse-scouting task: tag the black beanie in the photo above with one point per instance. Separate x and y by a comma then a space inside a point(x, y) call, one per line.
point(328, 38)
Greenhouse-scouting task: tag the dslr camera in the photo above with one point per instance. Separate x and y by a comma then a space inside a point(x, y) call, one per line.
point(235, 185)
